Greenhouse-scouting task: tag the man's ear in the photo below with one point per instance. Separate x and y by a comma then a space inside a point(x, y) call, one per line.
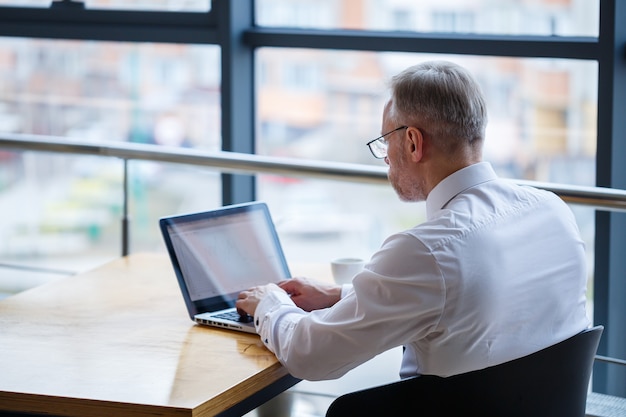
point(415, 143)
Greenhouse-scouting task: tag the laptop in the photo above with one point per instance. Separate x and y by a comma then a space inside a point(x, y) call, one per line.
point(217, 254)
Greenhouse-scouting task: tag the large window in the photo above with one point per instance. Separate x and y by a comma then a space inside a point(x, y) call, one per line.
point(303, 79)
point(66, 211)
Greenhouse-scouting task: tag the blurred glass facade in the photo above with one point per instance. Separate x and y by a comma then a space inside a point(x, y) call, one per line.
point(66, 210)
point(314, 104)
point(511, 17)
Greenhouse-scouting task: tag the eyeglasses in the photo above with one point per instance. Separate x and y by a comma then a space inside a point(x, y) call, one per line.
point(378, 146)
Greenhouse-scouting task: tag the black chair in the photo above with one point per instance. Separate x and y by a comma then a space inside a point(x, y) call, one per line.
point(550, 383)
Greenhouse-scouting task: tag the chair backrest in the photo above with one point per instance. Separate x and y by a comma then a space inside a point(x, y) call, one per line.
point(551, 382)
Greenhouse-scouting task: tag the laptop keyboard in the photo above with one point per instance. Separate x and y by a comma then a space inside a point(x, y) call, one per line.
point(234, 316)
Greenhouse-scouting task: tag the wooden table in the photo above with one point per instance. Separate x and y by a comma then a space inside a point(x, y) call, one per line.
point(117, 341)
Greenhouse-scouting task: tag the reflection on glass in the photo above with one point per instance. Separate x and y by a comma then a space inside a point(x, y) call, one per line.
point(540, 17)
point(67, 209)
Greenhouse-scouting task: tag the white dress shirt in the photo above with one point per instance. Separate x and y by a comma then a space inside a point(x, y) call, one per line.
point(496, 272)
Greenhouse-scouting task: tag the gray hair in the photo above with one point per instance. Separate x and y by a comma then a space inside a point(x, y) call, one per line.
point(442, 98)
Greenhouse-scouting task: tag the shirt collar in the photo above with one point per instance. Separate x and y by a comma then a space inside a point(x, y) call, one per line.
point(456, 183)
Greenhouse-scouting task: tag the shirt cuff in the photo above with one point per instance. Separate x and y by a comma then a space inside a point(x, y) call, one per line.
point(262, 316)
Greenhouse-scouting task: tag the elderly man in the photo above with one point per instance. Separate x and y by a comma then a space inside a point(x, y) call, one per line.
point(496, 272)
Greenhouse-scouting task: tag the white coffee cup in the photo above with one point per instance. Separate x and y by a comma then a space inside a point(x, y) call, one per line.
point(344, 269)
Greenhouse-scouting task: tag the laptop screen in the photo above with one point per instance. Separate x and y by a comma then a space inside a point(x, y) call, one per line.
point(216, 254)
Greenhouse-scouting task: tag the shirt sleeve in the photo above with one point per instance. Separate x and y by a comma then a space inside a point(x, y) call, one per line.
point(397, 298)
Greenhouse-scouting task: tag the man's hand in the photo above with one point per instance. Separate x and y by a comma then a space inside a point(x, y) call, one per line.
point(248, 300)
point(311, 295)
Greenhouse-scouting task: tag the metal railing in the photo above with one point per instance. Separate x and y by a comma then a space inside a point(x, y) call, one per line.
point(231, 162)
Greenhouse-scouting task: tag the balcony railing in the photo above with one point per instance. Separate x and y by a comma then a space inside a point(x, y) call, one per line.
point(231, 162)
